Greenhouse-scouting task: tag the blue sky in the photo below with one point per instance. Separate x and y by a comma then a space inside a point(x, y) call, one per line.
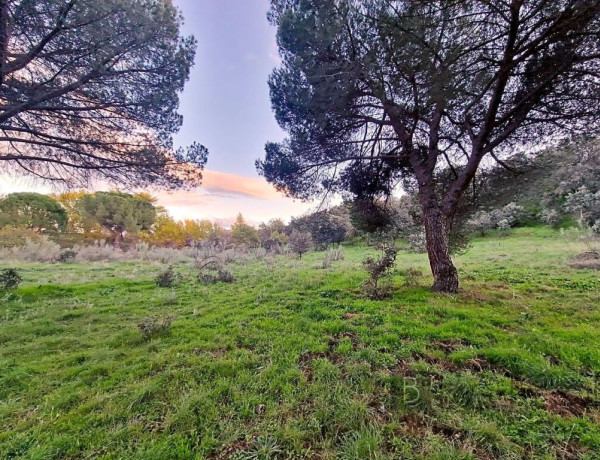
point(226, 104)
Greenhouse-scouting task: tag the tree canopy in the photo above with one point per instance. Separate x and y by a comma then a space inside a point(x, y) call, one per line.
point(118, 212)
point(33, 211)
point(243, 233)
point(376, 93)
point(89, 89)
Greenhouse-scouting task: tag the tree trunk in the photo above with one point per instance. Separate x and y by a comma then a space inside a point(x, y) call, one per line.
point(118, 240)
point(445, 275)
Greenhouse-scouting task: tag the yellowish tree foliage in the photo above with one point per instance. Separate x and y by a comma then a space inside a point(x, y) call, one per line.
point(177, 234)
point(78, 223)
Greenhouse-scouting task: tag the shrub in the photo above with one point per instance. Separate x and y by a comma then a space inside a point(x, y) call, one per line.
point(154, 325)
point(378, 269)
point(225, 276)
point(9, 279)
point(68, 255)
point(550, 217)
point(171, 298)
point(590, 259)
point(503, 225)
point(215, 276)
point(481, 222)
point(39, 250)
point(166, 278)
point(211, 270)
point(412, 276)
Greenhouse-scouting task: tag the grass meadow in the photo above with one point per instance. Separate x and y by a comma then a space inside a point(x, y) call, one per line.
point(291, 361)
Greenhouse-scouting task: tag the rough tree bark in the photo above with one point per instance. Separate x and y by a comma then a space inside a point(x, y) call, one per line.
point(445, 275)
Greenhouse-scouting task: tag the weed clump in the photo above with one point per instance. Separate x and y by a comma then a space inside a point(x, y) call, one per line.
point(211, 271)
point(332, 255)
point(68, 255)
point(379, 268)
point(9, 279)
point(166, 278)
point(590, 259)
point(412, 277)
point(219, 275)
point(154, 325)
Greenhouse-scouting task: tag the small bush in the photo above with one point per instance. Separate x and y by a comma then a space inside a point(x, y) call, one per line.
point(171, 298)
point(166, 278)
point(412, 276)
point(378, 269)
point(377, 292)
point(39, 250)
point(225, 276)
point(590, 259)
point(154, 325)
point(550, 217)
point(219, 275)
point(68, 255)
point(9, 279)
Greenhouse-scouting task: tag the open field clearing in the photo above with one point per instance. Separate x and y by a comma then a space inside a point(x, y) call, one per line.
point(291, 361)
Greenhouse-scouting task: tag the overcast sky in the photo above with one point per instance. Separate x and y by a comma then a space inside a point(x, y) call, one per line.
point(226, 107)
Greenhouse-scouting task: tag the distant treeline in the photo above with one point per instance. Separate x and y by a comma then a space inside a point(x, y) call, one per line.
point(559, 188)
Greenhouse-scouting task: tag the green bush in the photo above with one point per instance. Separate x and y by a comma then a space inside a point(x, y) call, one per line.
point(166, 278)
point(9, 279)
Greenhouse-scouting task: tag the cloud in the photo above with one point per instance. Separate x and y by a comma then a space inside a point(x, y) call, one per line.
point(234, 185)
point(219, 198)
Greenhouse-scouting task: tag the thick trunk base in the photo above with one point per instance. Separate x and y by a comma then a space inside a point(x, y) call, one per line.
point(445, 275)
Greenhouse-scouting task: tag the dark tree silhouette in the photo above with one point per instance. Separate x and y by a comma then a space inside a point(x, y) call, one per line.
point(375, 92)
point(90, 89)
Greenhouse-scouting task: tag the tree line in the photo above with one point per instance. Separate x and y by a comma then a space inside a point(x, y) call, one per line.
point(114, 215)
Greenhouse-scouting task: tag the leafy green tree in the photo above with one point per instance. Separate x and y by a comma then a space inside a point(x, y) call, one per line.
point(91, 89)
point(244, 234)
point(33, 211)
point(118, 213)
point(373, 93)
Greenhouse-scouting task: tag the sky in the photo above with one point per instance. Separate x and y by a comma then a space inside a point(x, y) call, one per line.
point(226, 107)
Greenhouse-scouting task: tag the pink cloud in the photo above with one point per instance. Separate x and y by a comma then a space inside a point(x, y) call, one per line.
point(216, 182)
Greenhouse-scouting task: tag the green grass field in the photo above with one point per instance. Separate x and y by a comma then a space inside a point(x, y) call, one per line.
point(290, 361)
